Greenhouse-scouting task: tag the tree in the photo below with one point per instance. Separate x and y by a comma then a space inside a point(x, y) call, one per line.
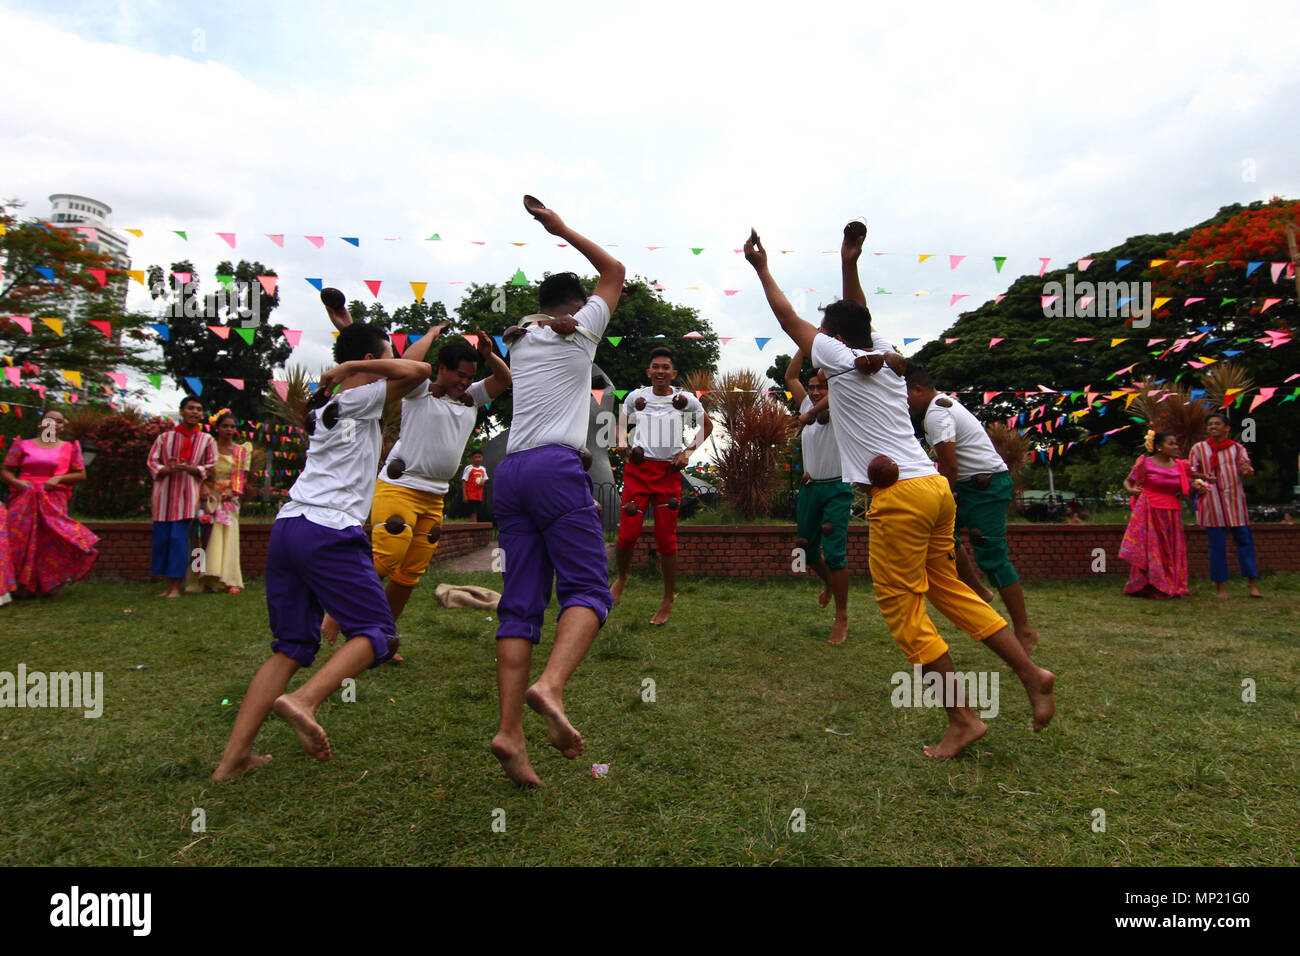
point(69, 293)
point(252, 350)
point(641, 315)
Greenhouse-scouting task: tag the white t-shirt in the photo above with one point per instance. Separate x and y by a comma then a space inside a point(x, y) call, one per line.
point(821, 455)
point(976, 454)
point(469, 472)
point(434, 432)
point(338, 481)
point(659, 426)
point(552, 382)
point(870, 412)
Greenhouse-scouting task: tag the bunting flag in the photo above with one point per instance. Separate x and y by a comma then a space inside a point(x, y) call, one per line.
point(955, 261)
point(1159, 302)
point(1115, 342)
point(155, 379)
point(417, 290)
point(519, 279)
point(56, 325)
point(317, 284)
point(277, 238)
point(46, 271)
point(99, 275)
point(1251, 267)
point(1042, 268)
point(373, 285)
point(293, 336)
point(1264, 395)
point(352, 240)
point(434, 238)
point(103, 326)
point(501, 345)
point(136, 274)
point(220, 331)
point(1121, 263)
point(184, 278)
point(1048, 300)
point(1085, 302)
point(696, 251)
point(598, 394)
point(236, 382)
point(399, 342)
point(246, 335)
point(268, 284)
point(993, 342)
point(997, 299)
point(760, 342)
point(957, 297)
point(614, 340)
point(1192, 300)
point(620, 393)
point(138, 233)
point(316, 241)
point(281, 388)
point(1158, 262)
point(999, 262)
point(1269, 303)
point(725, 339)
point(195, 385)
point(693, 335)
point(989, 396)
point(14, 375)
point(1084, 263)
point(117, 378)
point(229, 237)
point(730, 291)
point(181, 233)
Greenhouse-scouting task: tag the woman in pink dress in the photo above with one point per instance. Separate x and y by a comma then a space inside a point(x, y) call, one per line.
point(47, 548)
point(1154, 542)
point(7, 581)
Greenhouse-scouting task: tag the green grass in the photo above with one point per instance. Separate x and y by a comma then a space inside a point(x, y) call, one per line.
point(1150, 727)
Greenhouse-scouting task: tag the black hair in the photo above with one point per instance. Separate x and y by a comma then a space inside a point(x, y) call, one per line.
point(222, 417)
point(664, 352)
point(191, 398)
point(1222, 416)
point(561, 289)
point(1158, 439)
point(358, 340)
point(918, 376)
point(453, 353)
point(850, 321)
point(476, 451)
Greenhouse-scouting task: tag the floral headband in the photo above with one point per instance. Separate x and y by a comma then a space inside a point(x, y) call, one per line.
point(213, 419)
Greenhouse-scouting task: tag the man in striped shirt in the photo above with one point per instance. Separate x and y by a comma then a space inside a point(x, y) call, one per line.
point(179, 461)
point(1221, 507)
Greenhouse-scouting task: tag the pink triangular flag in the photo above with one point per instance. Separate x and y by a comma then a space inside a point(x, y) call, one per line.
point(730, 291)
point(1151, 342)
point(1192, 300)
point(13, 374)
point(373, 285)
point(989, 396)
point(221, 331)
point(23, 321)
point(472, 339)
point(229, 237)
point(993, 342)
point(90, 232)
point(957, 297)
point(1083, 264)
point(118, 378)
point(294, 336)
point(1086, 301)
point(399, 342)
point(1184, 262)
point(281, 389)
point(950, 341)
point(597, 394)
point(1269, 303)
point(184, 278)
point(237, 382)
point(653, 248)
point(277, 238)
point(998, 298)
point(1044, 260)
point(693, 335)
point(1264, 395)
point(1082, 339)
point(316, 241)
point(954, 261)
point(724, 340)
point(1049, 299)
point(1276, 269)
point(268, 284)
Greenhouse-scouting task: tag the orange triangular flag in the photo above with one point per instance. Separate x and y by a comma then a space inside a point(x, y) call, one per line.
point(417, 289)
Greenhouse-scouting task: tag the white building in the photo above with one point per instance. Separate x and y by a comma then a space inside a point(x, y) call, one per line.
point(69, 211)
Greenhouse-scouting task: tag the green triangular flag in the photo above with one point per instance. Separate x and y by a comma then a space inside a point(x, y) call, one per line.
point(620, 392)
point(697, 251)
point(999, 261)
point(520, 278)
point(227, 281)
point(1036, 341)
point(181, 234)
point(434, 238)
point(1225, 302)
point(246, 335)
point(614, 340)
point(155, 379)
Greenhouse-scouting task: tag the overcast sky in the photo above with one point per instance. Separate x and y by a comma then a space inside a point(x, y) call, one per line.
point(1022, 130)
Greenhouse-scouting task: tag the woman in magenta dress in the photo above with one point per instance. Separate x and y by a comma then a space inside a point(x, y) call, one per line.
point(1154, 542)
point(47, 548)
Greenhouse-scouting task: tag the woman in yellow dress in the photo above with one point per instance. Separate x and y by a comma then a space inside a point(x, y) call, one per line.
point(219, 568)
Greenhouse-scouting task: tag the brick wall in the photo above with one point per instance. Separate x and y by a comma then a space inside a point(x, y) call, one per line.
point(1037, 550)
point(124, 546)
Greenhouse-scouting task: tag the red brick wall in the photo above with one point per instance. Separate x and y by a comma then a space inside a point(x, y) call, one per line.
point(124, 546)
point(1037, 550)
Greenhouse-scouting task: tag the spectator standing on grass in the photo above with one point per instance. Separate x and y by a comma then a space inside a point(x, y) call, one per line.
point(180, 460)
point(1221, 507)
point(472, 480)
point(221, 497)
point(1154, 542)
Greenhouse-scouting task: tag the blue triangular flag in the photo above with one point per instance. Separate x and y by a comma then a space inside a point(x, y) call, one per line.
point(312, 386)
point(1121, 263)
point(1251, 267)
point(1198, 393)
point(352, 239)
point(411, 340)
point(501, 344)
point(910, 341)
point(46, 271)
point(162, 330)
point(760, 342)
point(317, 284)
point(195, 385)
point(1232, 351)
point(1205, 328)
point(1125, 301)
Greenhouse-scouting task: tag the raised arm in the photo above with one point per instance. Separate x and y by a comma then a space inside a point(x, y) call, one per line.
point(802, 332)
point(810, 416)
point(402, 374)
point(850, 252)
point(420, 349)
point(336, 307)
point(610, 284)
point(500, 379)
point(792, 383)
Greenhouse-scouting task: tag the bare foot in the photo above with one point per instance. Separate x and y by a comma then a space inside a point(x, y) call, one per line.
point(513, 754)
point(616, 589)
point(824, 598)
point(563, 736)
point(1040, 698)
point(1254, 591)
point(955, 739)
point(310, 734)
point(1028, 638)
point(841, 629)
point(665, 609)
point(329, 630)
point(238, 768)
point(1222, 594)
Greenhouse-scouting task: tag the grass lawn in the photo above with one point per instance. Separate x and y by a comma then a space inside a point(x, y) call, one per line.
point(1150, 728)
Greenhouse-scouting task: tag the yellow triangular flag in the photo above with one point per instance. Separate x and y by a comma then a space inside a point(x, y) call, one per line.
point(1129, 401)
point(1208, 361)
point(55, 324)
point(518, 243)
point(1158, 262)
point(136, 274)
point(923, 258)
point(73, 377)
point(135, 232)
point(788, 395)
point(1115, 394)
point(417, 289)
point(3, 230)
point(1232, 393)
point(1115, 342)
point(1160, 301)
